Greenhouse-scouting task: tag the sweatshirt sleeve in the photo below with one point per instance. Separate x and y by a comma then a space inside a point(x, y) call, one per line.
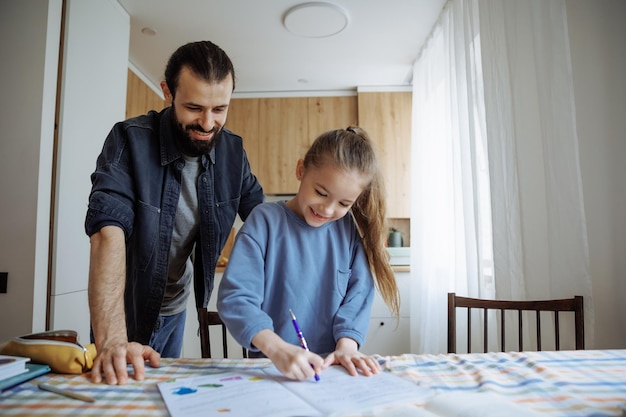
point(241, 290)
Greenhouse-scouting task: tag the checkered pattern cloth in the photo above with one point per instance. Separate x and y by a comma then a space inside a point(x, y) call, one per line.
point(567, 383)
point(135, 398)
point(564, 383)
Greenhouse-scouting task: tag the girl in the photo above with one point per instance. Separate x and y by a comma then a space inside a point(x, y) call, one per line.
point(308, 256)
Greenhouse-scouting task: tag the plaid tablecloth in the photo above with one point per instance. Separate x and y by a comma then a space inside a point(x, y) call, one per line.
point(567, 383)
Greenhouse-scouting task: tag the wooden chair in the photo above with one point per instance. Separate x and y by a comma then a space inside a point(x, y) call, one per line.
point(574, 304)
point(208, 319)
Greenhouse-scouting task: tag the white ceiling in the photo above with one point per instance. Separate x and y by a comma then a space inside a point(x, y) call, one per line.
point(376, 49)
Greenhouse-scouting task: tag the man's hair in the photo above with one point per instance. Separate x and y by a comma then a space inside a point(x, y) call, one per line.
point(203, 58)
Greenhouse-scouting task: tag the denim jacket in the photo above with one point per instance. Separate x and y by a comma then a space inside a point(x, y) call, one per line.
point(136, 186)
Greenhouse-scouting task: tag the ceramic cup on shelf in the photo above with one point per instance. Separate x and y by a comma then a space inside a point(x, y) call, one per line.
point(395, 239)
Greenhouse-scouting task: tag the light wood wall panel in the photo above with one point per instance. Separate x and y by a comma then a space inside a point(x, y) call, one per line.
point(140, 98)
point(243, 119)
point(278, 131)
point(285, 138)
point(386, 117)
point(328, 113)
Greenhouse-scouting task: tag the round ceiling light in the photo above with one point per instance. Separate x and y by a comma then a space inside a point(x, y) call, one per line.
point(315, 20)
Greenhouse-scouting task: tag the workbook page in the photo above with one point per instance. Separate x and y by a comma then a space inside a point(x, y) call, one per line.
point(337, 392)
point(246, 393)
point(266, 392)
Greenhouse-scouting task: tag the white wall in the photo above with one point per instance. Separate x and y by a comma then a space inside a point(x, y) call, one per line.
point(598, 49)
point(92, 98)
point(29, 42)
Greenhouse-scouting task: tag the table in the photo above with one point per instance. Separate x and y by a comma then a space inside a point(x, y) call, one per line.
point(565, 383)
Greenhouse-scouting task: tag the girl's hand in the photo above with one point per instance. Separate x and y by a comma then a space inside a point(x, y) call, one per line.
point(291, 360)
point(297, 363)
point(347, 355)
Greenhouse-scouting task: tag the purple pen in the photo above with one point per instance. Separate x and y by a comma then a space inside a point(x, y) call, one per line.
point(301, 337)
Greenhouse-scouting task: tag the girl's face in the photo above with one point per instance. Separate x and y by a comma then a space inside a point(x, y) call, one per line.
point(326, 193)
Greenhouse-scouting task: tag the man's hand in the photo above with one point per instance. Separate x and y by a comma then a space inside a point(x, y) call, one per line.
point(107, 282)
point(111, 362)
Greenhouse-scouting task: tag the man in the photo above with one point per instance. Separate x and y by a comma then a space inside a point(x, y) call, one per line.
point(167, 186)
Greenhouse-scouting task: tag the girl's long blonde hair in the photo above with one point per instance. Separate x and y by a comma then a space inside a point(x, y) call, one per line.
point(351, 149)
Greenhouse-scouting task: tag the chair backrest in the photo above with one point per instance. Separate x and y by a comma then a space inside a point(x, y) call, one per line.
point(208, 319)
point(574, 304)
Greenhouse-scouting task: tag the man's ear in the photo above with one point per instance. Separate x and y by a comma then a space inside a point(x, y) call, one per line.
point(166, 92)
point(300, 169)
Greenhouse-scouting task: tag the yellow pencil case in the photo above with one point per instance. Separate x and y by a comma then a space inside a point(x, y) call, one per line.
point(58, 349)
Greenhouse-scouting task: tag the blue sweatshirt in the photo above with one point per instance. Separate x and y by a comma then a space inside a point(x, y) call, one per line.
point(279, 263)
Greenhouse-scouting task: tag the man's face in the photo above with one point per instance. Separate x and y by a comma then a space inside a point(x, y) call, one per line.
point(199, 110)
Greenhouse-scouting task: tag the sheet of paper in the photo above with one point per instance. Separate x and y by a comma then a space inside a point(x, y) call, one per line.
point(266, 392)
point(338, 392)
point(246, 393)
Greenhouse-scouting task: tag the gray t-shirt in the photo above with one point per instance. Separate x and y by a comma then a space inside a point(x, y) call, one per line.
point(186, 223)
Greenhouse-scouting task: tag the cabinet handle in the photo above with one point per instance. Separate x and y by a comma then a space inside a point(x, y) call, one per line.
point(382, 323)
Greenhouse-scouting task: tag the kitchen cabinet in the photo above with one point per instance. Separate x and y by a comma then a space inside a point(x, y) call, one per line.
point(386, 116)
point(387, 334)
point(243, 119)
point(328, 113)
point(140, 98)
point(283, 138)
point(278, 131)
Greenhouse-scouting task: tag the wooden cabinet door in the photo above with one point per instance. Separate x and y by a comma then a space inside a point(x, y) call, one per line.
point(283, 133)
point(243, 119)
point(387, 118)
point(140, 98)
point(278, 131)
point(329, 113)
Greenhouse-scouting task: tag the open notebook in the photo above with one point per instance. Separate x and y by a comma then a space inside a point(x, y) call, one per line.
point(266, 392)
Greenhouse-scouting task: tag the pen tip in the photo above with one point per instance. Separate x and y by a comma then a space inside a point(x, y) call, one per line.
point(293, 316)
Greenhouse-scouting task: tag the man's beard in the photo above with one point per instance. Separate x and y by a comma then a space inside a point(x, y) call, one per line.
point(187, 144)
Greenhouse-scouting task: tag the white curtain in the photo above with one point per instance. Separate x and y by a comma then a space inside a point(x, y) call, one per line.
point(497, 207)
